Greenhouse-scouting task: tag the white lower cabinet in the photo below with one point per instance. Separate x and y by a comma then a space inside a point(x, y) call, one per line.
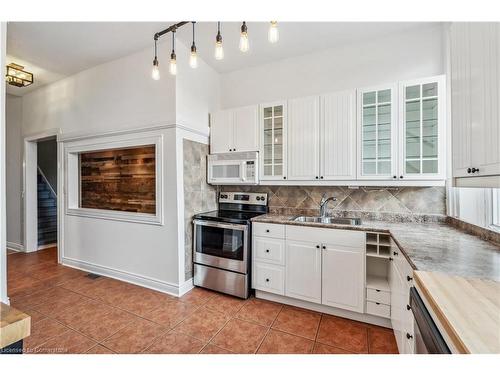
point(268, 278)
point(343, 278)
point(303, 270)
point(400, 281)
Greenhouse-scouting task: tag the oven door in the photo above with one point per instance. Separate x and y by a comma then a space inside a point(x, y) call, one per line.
point(221, 245)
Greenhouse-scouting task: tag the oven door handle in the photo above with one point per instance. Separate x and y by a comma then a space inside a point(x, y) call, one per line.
point(215, 224)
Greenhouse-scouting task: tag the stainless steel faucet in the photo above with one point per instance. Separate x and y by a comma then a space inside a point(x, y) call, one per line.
point(323, 204)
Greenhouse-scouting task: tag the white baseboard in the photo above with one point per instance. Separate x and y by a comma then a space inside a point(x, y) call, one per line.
point(47, 246)
point(186, 287)
point(365, 318)
point(15, 246)
point(160, 286)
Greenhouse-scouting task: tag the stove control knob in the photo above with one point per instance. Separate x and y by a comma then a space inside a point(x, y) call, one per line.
point(258, 198)
point(262, 198)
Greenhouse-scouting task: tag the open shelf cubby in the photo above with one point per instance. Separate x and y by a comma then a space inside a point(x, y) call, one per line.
point(377, 271)
point(378, 245)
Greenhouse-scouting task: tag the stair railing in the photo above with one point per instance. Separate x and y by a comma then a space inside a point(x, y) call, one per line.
point(46, 181)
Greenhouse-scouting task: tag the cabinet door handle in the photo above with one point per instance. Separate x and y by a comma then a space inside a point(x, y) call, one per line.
point(234, 149)
point(408, 336)
point(394, 177)
point(377, 303)
point(391, 259)
point(267, 250)
point(469, 170)
point(378, 290)
point(267, 280)
point(401, 177)
point(394, 253)
point(474, 170)
point(317, 246)
point(267, 230)
point(284, 177)
point(409, 278)
point(321, 177)
point(317, 177)
point(324, 247)
point(408, 307)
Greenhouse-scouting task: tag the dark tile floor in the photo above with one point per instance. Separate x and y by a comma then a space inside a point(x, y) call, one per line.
point(72, 313)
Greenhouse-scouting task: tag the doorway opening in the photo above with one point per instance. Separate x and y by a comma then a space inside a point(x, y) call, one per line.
point(40, 193)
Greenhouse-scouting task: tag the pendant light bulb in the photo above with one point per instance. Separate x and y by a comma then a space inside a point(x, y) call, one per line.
point(219, 50)
point(244, 44)
point(173, 58)
point(273, 35)
point(193, 58)
point(155, 74)
point(173, 64)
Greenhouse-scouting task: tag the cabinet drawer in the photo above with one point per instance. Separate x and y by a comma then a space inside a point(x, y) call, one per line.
point(268, 278)
point(340, 238)
point(378, 309)
point(377, 295)
point(269, 250)
point(268, 230)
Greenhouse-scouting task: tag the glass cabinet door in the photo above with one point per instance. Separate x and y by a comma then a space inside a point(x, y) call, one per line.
point(273, 142)
point(420, 133)
point(377, 133)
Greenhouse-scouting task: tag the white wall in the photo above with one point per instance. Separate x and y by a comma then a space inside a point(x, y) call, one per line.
point(116, 95)
point(3, 251)
point(413, 54)
point(197, 91)
point(14, 151)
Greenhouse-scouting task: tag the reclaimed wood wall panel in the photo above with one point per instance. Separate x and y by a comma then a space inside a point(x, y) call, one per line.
point(119, 179)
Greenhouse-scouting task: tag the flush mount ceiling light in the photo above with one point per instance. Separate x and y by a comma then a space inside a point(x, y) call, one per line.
point(17, 76)
point(244, 45)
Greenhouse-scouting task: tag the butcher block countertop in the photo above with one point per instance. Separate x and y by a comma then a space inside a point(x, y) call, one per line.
point(467, 310)
point(15, 325)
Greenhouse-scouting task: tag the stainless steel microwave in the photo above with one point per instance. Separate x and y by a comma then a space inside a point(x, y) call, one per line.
point(236, 168)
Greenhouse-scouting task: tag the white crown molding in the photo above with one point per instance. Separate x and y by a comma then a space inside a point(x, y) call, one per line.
point(77, 136)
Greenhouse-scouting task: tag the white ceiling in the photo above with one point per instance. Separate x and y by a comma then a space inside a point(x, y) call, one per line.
point(53, 50)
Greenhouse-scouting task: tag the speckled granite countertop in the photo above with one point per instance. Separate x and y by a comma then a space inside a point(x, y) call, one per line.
point(434, 246)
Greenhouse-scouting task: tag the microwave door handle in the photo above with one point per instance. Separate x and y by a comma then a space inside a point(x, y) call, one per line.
point(243, 174)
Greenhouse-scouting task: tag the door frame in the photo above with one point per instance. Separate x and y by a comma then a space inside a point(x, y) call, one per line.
point(30, 188)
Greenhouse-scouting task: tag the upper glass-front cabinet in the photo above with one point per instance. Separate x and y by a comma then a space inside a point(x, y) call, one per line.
point(377, 133)
point(273, 145)
point(421, 131)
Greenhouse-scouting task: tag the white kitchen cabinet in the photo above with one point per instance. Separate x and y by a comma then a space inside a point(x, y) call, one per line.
point(273, 135)
point(343, 277)
point(422, 151)
point(475, 101)
point(377, 133)
point(303, 139)
point(234, 130)
point(303, 270)
point(400, 282)
point(221, 132)
point(338, 136)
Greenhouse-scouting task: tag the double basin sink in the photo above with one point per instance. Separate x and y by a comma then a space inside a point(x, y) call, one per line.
point(328, 220)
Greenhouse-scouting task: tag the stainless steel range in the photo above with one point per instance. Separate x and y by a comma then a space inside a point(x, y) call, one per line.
point(222, 243)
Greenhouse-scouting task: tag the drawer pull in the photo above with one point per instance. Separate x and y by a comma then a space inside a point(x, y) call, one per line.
point(267, 230)
point(377, 290)
point(394, 253)
point(408, 336)
point(267, 250)
point(408, 307)
point(267, 280)
point(377, 303)
point(408, 278)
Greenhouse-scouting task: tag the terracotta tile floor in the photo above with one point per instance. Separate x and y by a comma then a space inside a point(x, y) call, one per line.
point(72, 313)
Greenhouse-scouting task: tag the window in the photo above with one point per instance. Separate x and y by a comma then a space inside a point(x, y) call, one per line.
point(476, 206)
point(119, 179)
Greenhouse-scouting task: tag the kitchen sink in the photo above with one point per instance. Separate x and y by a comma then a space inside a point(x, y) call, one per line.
point(328, 220)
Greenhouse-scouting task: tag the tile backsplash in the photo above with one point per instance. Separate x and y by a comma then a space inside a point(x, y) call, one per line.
point(380, 200)
point(198, 195)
